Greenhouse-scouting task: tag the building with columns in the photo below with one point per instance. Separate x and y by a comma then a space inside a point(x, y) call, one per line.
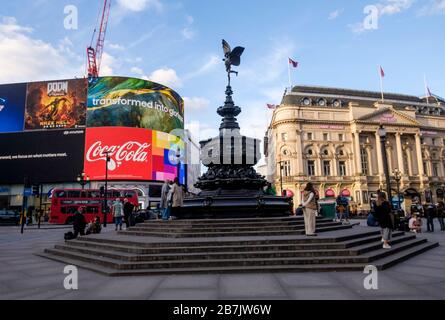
point(328, 136)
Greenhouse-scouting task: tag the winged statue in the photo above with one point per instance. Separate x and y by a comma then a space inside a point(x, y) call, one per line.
point(231, 57)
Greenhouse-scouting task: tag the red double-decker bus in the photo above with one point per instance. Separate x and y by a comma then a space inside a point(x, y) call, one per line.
point(65, 202)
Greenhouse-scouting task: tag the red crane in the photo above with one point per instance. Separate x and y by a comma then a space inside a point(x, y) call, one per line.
point(94, 55)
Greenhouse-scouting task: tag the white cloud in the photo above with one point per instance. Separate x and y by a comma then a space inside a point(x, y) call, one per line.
point(108, 64)
point(25, 58)
point(209, 65)
point(432, 8)
point(114, 46)
point(385, 7)
point(167, 77)
point(140, 5)
point(390, 7)
point(137, 71)
point(188, 33)
point(335, 14)
point(195, 103)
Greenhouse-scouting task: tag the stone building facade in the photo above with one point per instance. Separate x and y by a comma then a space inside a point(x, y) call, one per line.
point(328, 136)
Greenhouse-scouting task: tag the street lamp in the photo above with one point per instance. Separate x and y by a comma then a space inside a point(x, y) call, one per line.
point(383, 138)
point(105, 211)
point(398, 177)
point(83, 179)
point(178, 159)
point(281, 177)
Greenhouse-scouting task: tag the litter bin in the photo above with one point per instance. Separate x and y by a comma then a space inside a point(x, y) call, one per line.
point(327, 208)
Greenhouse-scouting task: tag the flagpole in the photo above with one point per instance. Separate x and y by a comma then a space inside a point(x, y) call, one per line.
point(288, 71)
point(381, 84)
point(426, 89)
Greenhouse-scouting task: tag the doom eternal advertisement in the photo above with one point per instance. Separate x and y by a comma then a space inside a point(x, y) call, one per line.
point(56, 105)
point(136, 103)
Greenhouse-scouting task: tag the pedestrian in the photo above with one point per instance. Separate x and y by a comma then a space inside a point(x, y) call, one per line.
point(415, 223)
point(441, 214)
point(309, 209)
point(79, 222)
point(164, 204)
point(430, 214)
point(128, 212)
point(118, 213)
point(176, 197)
point(383, 215)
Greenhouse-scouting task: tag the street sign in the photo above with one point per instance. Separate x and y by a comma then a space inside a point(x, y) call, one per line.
point(27, 192)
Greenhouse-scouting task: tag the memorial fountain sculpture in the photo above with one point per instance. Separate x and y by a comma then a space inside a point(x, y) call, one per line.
point(231, 188)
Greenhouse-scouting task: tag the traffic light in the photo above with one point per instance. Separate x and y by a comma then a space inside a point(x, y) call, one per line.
point(35, 190)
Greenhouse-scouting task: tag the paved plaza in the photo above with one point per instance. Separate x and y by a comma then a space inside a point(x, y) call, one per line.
point(27, 276)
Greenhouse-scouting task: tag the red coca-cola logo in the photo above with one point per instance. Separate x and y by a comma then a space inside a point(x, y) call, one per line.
point(129, 150)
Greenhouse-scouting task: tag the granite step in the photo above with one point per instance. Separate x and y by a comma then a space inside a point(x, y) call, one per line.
point(173, 229)
point(191, 224)
point(223, 247)
point(210, 234)
point(141, 242)
point(245, 254)
point(120, 265)
point(381, 264)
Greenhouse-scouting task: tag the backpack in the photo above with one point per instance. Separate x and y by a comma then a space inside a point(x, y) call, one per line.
point(69, 236)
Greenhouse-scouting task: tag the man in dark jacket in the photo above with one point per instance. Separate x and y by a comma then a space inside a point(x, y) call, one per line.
point(430, 213)
point(441, 214)
point(79, 223)
point(128, 212)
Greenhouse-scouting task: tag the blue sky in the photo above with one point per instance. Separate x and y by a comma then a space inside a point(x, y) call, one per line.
point(178, 43)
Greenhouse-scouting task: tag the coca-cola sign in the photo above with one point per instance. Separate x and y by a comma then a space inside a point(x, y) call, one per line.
point(129, 151)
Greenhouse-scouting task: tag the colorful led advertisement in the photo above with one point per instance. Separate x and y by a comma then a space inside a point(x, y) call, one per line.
point(56, 105)
point(134, 154)
point(12, 107)
point(135, 103)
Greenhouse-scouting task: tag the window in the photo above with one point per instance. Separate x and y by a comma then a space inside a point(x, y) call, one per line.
point(325, 137)
point(342, 168)
point(327, 168)
point(326, 152)
point(433, 141)
point(310, 152)
point(309, 136)
point(435, 170)
point(364, 160)
point(311, 168)
point(341, 137)
point(154, 191)
point(286, 168)
point(284, 136)
point(425, 168)
point(405, 163)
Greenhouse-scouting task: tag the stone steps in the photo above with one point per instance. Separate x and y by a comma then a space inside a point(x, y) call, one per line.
point(382, 264)
point(252, 245)
point(228, 223)
point(187, 229)
point(134, 248)
point(210, 233)
point(247, 253)
point(119, 264)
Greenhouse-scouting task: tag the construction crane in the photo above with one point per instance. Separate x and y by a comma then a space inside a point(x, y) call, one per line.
point(94, 55)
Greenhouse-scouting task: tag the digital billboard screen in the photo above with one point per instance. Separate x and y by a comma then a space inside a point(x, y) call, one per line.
point(41, 156)
point(12, 107)
point(135, 103)
point(56, 105)
point(135, 154)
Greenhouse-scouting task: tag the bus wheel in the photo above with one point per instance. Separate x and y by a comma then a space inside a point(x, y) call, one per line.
point(69, 220)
